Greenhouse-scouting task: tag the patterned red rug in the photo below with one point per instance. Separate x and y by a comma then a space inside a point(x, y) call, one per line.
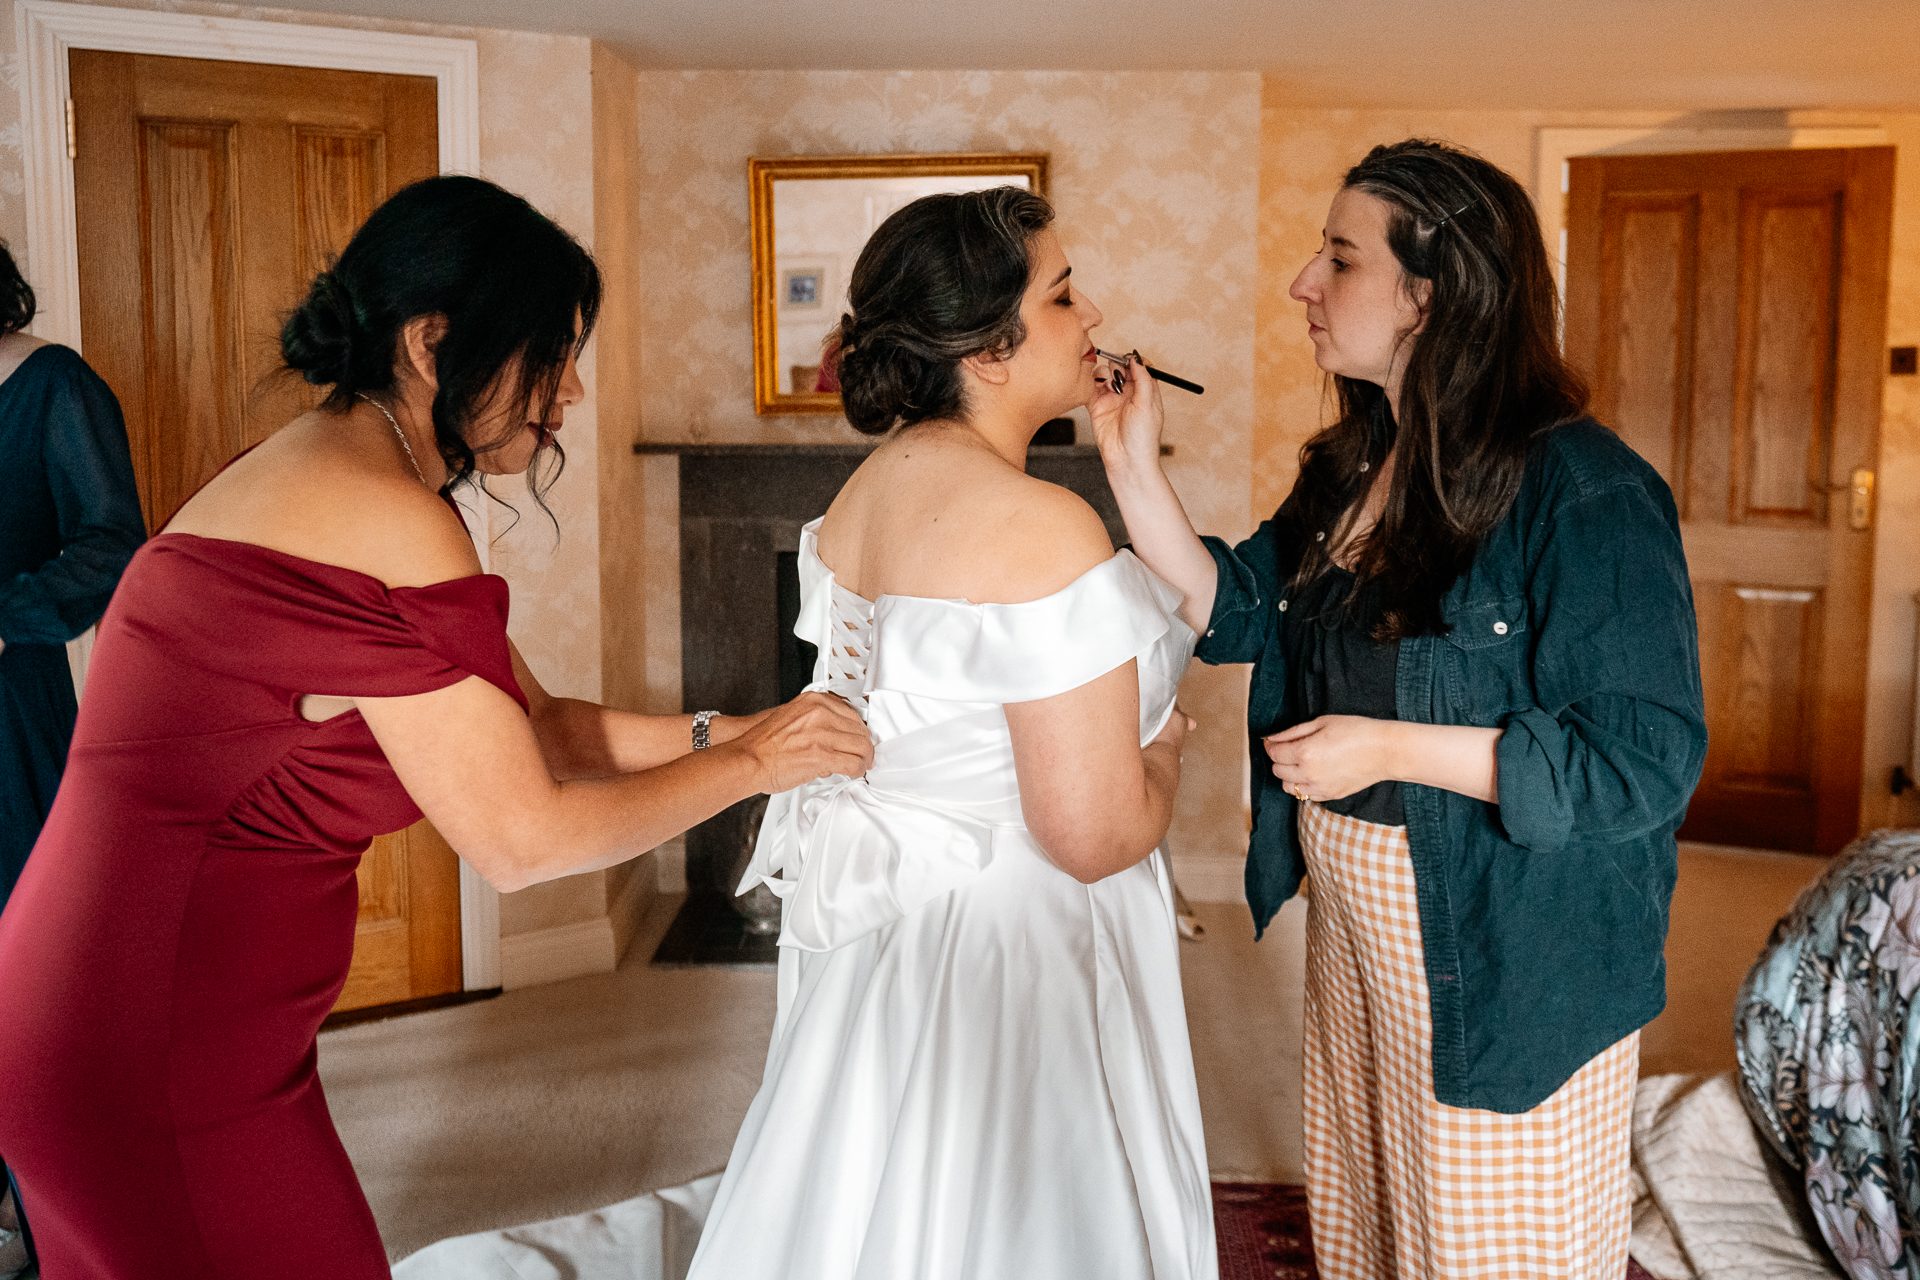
point(1262, 1231)
point(1263, 1234)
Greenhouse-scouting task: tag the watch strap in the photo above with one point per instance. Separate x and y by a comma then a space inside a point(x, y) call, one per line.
point(701, 720)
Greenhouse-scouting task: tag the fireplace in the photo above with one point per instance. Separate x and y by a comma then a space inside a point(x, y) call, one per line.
point(741, 510)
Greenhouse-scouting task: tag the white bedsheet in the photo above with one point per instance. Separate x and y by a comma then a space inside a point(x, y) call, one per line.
point(650, 1237)
point(1706, 1206)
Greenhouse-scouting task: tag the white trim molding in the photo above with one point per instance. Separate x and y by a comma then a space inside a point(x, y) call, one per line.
point(556, 954)
point(479, 931)
point(46, 31)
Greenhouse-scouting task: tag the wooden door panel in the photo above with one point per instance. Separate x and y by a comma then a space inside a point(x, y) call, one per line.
point(1652, 244)
point(1719, 554)
point(1759, 788)
point(208, 194)
point(192, 312)
point(1776, 649)
point(1789, 249)
point(1729, 310)
point(340, 178)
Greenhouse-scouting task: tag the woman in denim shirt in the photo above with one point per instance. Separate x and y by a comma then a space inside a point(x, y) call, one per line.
point(1475, 721)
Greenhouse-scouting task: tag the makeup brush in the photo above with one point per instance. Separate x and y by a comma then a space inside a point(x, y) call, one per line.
point(1119, 378)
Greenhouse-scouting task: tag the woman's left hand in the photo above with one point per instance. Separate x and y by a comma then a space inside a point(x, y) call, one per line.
point(1331, 757)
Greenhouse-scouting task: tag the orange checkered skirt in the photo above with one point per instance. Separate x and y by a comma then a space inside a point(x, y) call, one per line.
point(1399, 1185)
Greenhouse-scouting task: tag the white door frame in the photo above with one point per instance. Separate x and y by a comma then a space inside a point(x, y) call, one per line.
point(46, 30)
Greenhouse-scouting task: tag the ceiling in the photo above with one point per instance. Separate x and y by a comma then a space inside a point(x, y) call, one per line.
point(1565, 54)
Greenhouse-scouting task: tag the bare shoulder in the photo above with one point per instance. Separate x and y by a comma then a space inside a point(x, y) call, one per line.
point(315, 492)
point(1036, 538)
point(927, 517)
point(402, 534)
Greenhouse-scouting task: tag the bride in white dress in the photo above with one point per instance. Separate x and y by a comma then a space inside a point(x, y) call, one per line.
point(980, 1067)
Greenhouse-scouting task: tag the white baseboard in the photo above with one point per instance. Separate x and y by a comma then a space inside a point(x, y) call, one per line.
point(670, 864)
point(636, 897)
point(564, 951)
point(1211, 880)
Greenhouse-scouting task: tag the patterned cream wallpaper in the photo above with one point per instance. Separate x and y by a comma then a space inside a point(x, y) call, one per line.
point(1155, 177)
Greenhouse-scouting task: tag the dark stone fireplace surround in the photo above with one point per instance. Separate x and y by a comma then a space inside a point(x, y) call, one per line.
point(741, 507)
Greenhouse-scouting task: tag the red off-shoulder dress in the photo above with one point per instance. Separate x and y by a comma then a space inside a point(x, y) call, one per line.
point(186, 919)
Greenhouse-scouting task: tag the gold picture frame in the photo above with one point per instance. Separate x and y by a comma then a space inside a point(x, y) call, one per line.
point(763, 173)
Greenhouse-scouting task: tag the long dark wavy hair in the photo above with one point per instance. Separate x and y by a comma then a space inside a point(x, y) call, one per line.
point(1483, 377)
point(940, 280)
point(510, 283)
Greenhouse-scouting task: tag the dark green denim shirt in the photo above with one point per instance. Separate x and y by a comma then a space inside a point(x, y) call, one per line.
point(1544, 917)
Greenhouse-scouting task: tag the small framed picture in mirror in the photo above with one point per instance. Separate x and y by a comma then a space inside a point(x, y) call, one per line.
point(811, 215)
point(803, 287)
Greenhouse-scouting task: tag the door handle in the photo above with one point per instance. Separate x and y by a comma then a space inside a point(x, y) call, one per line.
point(1860, 499)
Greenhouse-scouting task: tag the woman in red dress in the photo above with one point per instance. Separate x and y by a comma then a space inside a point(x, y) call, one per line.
point(305, 657)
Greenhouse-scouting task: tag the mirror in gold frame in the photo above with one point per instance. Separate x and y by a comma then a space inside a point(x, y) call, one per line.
point(811, 217)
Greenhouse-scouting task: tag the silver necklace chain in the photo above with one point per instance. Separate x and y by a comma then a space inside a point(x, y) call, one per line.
point(398, 432)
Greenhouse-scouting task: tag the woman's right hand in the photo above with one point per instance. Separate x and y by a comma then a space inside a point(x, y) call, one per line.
point(814, 736)
point(1127, 424)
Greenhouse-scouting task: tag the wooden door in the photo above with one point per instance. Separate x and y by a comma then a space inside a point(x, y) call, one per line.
point(1730, 310)
point(208, 195)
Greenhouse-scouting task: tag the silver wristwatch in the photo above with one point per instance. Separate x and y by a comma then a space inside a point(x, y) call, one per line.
point(700, 720)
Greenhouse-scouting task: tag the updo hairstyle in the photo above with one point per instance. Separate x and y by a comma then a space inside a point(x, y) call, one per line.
point(509, 281)
point(939, 281)
point(16, 295)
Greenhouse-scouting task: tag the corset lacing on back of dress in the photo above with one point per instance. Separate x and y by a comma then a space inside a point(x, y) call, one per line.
point(850, 655)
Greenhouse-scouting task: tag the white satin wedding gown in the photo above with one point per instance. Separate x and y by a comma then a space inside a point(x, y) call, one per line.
point(980, 1067)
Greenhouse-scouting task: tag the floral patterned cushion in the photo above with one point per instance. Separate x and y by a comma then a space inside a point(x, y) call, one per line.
point(1829, 1048)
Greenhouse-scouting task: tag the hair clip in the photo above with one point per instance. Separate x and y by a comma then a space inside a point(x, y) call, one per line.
point(1450, 217)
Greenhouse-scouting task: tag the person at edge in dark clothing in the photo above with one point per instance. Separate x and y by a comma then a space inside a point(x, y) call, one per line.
point(70, 524)
point(1476, 721)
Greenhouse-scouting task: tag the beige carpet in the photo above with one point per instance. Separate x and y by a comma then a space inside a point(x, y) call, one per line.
point(557, 1099)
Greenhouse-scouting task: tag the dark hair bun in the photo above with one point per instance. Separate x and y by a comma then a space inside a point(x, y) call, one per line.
point(317, 339)
point(940, 280)
point(514, 290)
point(889, 373)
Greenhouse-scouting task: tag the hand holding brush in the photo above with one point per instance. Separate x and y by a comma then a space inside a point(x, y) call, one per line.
point(1117, 377)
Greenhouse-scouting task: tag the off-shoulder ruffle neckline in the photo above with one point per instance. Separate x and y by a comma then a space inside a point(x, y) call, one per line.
point(276, 554)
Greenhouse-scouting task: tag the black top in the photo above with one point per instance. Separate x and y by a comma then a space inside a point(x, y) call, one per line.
point(71, 520)
point(1336, 668)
